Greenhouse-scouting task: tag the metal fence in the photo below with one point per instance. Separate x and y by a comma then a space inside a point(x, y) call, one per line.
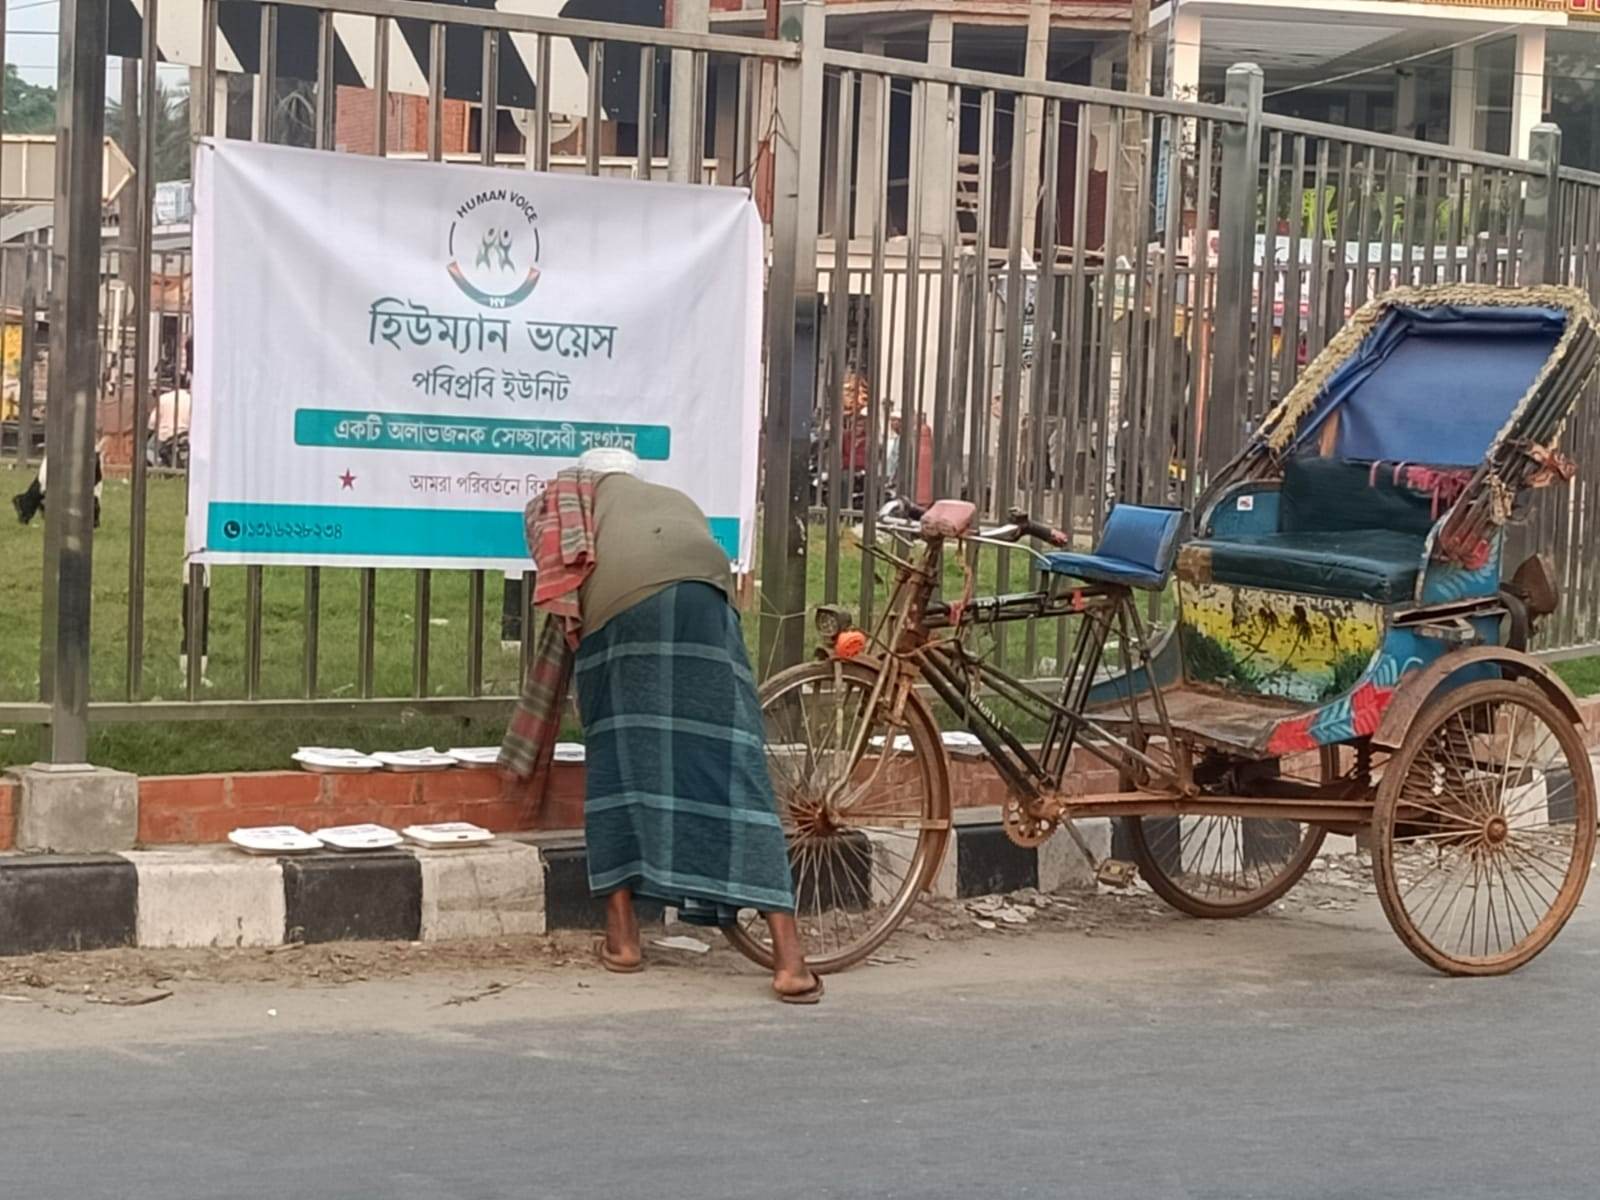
point(1030, 293)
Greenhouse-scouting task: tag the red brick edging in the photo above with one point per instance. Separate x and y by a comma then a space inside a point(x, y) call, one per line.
point(195, 809)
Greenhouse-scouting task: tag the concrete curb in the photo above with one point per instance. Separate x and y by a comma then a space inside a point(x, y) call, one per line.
point(215, 896)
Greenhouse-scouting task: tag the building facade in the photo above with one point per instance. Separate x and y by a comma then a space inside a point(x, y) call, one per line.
point(1470, 75)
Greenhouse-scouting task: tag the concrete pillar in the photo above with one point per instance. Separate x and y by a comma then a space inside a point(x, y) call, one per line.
point(1527, 88)
point(1463, 97)
point(1405, 103)
point(869, 170)
point(1035, 65)
point(1101, 68)
point(1184, 47)
point(75, 810)
point(687, 16)
point(940, 132)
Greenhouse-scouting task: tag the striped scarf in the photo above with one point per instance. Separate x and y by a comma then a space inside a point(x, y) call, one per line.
point(559, 527)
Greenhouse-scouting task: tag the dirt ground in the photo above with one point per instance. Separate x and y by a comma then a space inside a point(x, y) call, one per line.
point(68, 982)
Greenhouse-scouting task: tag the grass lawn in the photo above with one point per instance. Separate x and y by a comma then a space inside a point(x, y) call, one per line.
point(160, 747)
point(173, 747)
point(1582, 674)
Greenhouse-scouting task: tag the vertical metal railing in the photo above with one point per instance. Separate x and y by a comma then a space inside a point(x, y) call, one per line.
point(1112, 336)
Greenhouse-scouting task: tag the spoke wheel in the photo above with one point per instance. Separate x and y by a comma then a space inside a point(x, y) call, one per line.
point(865, 803)
point(1219, 867)
point(1484, 829)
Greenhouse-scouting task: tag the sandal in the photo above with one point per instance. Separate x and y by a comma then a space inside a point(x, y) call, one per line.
point(612, 964)
point(811, 995)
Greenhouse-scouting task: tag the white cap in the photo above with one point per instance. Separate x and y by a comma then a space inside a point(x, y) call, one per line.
point(609, 460)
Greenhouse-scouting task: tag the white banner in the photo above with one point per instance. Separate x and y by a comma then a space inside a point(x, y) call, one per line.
point(392, 359)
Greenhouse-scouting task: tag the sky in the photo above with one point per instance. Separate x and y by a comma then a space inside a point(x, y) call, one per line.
point(32, 46)
point(31, 38)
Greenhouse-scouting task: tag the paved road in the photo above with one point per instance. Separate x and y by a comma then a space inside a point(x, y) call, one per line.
point(1285, 1057)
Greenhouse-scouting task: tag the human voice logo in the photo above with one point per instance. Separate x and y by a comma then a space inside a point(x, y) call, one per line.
point(494, 247)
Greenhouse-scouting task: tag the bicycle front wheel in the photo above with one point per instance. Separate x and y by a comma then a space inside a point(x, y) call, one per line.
point(864, 796)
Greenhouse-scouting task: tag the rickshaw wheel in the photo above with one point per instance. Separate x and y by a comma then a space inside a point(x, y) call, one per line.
point(1484, 829)
point(1235, 865)
point(866, 831)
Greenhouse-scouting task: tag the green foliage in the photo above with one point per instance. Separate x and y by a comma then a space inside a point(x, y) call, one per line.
point(172, 134)
point(1309, 207)
point(30, 107)
point(1342, 218)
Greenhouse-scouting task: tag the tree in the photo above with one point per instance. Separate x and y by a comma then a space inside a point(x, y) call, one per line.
point(172, 138)
point(30, 107)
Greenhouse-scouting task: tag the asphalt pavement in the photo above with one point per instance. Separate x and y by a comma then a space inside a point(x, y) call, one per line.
point(1291, 1056)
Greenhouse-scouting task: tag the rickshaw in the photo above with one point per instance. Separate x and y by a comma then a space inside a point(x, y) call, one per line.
point(1345, 655)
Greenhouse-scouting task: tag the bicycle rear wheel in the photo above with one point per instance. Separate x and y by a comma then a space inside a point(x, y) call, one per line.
point(864, 797)
point(1484, 833)
point(1221, 866)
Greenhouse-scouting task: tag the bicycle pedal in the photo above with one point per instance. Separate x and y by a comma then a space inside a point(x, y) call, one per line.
point(1115, 873)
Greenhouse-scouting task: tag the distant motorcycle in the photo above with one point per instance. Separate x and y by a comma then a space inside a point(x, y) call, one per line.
point(172, 452)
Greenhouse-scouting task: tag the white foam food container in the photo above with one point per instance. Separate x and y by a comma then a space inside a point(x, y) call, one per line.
point(961, 739)
point(475, 756)
point(334, 762)
point(358, 837)
point(415, 760)
point(274, 839)
point(448, 833)
point(570, 752)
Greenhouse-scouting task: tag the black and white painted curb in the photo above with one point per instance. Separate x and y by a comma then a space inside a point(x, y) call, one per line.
point(215, 896)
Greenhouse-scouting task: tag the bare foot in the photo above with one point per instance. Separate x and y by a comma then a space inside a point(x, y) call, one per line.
point(620, 950)
point(792, 980)
point(625, 957)
point(795, 983)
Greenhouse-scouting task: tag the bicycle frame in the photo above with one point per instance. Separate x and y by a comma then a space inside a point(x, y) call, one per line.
point(906, 641)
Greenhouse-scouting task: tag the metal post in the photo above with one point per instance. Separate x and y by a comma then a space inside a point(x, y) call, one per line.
point(74, 374)
point(4, 9)
point(30, 349)
point(1539, 263)
point(1541, 215)
point(143, 207)
point(791, 338)
point(1236, 237)
point(692, 16)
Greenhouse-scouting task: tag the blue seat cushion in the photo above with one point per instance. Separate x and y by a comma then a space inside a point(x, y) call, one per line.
point(1135, 548)
point(1325, 494)
point(1102, 568)
point(1359, 564)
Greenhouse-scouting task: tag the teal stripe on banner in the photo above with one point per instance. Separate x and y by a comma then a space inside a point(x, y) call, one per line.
point(348, 430)
point(334, 531)
point(726, 531)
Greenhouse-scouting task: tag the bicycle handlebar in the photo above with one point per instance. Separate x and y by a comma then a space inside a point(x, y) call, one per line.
point(1019, 527)
point(1040, 533)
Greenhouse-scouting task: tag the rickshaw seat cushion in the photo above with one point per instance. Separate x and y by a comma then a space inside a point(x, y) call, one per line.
point(949, 518)
point(1380, 565)
point(1136, 549)
point(1332, 494)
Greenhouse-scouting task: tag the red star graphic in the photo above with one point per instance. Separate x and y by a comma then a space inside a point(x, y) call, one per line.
point(347, 480)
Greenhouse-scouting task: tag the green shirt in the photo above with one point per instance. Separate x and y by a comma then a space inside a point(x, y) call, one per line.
point(647, 538)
